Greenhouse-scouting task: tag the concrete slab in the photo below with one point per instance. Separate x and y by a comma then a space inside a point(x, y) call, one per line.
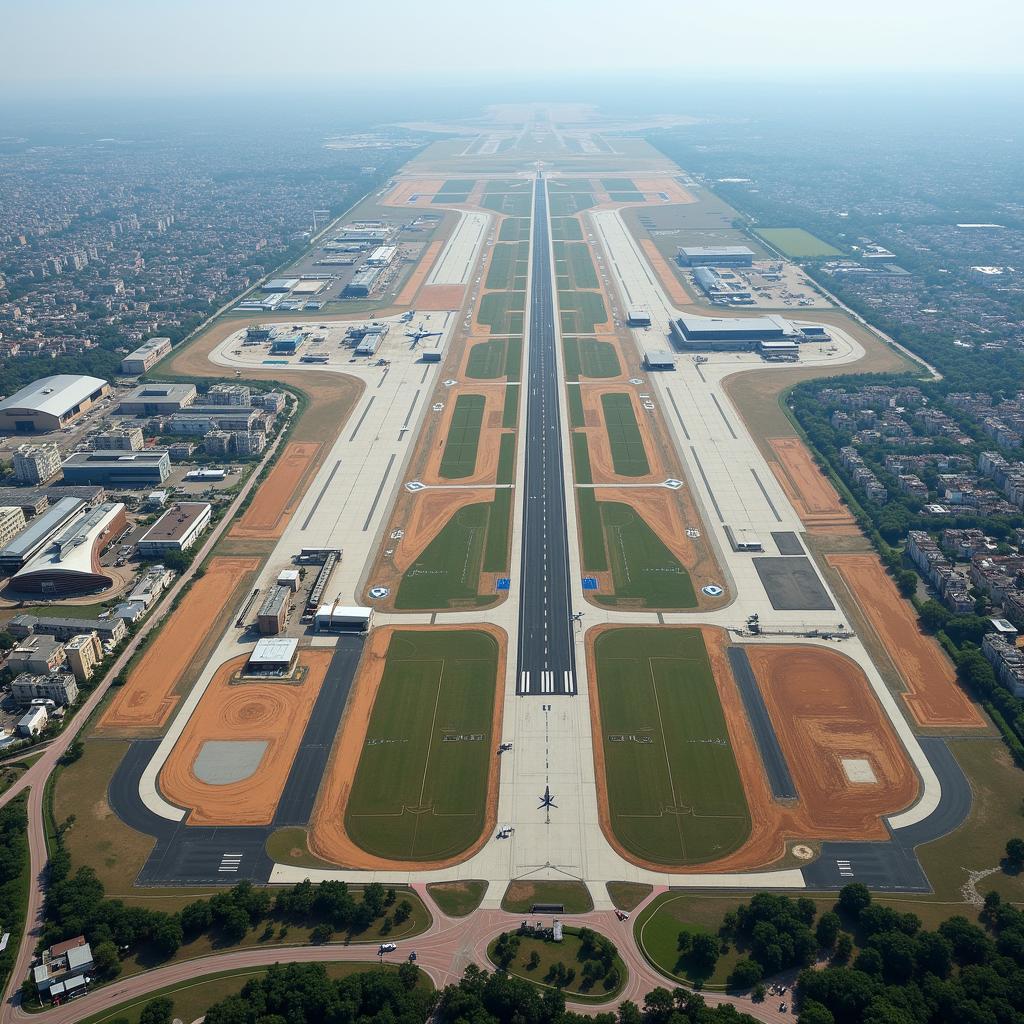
point(787, 542)
point(220, 762)
point(792, 584)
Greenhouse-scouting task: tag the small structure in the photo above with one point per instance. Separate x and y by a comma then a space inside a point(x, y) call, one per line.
point(288, 578)
point(274, 656)
point(638, 317)
point(64, 970)
point(338, 618)
point(33, 722)
point(273, 614)
point(660, 360)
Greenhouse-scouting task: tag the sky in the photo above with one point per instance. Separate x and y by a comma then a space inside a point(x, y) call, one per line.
point(189, 47)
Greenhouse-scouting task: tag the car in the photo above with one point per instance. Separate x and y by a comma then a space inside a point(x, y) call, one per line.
point(387, 947)
point(412, 957)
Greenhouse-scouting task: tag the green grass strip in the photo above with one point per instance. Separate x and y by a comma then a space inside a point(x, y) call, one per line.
point(510, 413)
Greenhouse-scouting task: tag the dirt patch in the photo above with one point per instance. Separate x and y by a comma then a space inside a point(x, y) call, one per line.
point(424, 188)
point(933, 695)
point(488, 447)
point(847, 705)
point(328, 839)
point(441, 296)
point(418, 276)
point(276, 712)
point(150, 693)
point(666, 275)
point(675, 192)
point(601, 462)
point(278, 495)
point(810, 492)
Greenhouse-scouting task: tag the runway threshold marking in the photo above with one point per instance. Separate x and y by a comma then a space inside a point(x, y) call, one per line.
point(771, 504)
point(380, 490)
point(355, 431)
point(320, 496)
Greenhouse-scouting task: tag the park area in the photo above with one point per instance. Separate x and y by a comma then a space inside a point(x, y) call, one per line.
point(672, 789)
point(410, 775)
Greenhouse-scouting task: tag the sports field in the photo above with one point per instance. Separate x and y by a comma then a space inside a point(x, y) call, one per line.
point(797, 243)
point(420, 789)
point(459, 459)
point(629, 456)
point(587, 357)
point(672, 786)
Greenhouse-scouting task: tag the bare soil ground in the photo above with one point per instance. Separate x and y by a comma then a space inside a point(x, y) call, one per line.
point(404, 190)
point(419, 275)
point(279, 495)
point(440, 296)
point(674, 289)
point(933, 695)
point(328, 839)
point(150, 693)
point(274, 711)
point(811, 493)
point(830, 693)
point(486, 470)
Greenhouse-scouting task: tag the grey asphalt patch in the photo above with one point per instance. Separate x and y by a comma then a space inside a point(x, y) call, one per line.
point(222, 761)
point(792, 585)
point(787, 542)
point(772, 757)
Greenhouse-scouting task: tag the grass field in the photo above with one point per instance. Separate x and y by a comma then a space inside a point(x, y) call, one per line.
point(448, 569)
point(657, 931)
point(510, 410)
point(628, 454)
point(508, 261)
point(628, 895)
point(587, 357)
point(580, 312)
point(521, 895)
point(618, 185)
point(502, 312)
point(797, 243)
point(514, 229)
point(566, 229)
point(674, 790)
point(515, 204)
point(489, 360)
point(564, 204)
point(573, 263)
point(458, 899)
point(592, 553)
point(642, 566)
point(459, 458)
point(420, 789)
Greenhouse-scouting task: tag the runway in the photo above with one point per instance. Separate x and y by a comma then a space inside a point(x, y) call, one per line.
point(547, 659)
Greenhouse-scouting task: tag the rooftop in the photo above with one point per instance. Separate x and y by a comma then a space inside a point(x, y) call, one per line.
point(273, 649)
point(55, 395)
point(176, 522)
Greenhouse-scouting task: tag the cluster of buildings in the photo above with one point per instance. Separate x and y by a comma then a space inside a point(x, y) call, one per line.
point(862, 475)
point(64, 970)
point(1002, 422)
point(774, 337)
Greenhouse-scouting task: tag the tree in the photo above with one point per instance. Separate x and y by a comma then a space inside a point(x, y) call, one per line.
point(534, 962)
point(906, 581)
point(1015, 852)
point(322, 933)
point(157, 1011)
point(167, 935)
point(758, 993)
point(196, 917)
point(844, 948)
point(403, 911)
point(234, 924)
point(704, 953)
point(853, 898)
point(746, 974)
point(827, 929)
point(812, 1012)
point(106, 960)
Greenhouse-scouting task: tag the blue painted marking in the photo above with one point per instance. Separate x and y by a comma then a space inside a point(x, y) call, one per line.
point(502, 583)
point(589, 583)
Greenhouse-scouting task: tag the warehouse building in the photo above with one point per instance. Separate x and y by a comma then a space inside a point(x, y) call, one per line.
point(38, 533)
point(730, 333)
point(337, 618)
point(70, 563)
point(273, 614)
point(362, 282)
point(382, 256)
point(50, 403)
point(146, 356)
point(148, 468)
point(715, 256)
point(273, 656)
point(157, 399)
point(176, 530)
point(287, 344)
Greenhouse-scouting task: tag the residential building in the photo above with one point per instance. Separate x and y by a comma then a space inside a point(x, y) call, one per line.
point(126, 439)
point(60, 687)
point(84, 652)
point(35, 463)
point(110, 630)
point(12, 522)
point(38, 655)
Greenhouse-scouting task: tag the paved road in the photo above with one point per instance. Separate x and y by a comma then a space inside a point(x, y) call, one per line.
point(443, 951)
point(547, 658)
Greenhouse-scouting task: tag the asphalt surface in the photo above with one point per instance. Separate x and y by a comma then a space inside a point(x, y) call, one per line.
point(206, 855)
point(772, 757)
point(787, 542)
point(792, 584)
point(893, 865)
point(547, 658)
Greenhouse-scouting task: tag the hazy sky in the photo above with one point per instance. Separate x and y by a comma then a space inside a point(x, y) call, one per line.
point(194, 45)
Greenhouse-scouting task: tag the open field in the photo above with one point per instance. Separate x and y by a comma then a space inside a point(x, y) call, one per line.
point(277, 496)
point(673, 788)
point(522, 894)
point(796, 243)
point(274, 712)
point(397, 792)
point(490, 360)
point(587, 357)
point(458, 899)
point(629, 456)
point(828, 724)
point(151, 691)
point(934, 697)
point(808, 489)
point(460, 447)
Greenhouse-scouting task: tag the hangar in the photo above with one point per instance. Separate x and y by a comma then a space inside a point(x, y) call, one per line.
point(50, 403)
